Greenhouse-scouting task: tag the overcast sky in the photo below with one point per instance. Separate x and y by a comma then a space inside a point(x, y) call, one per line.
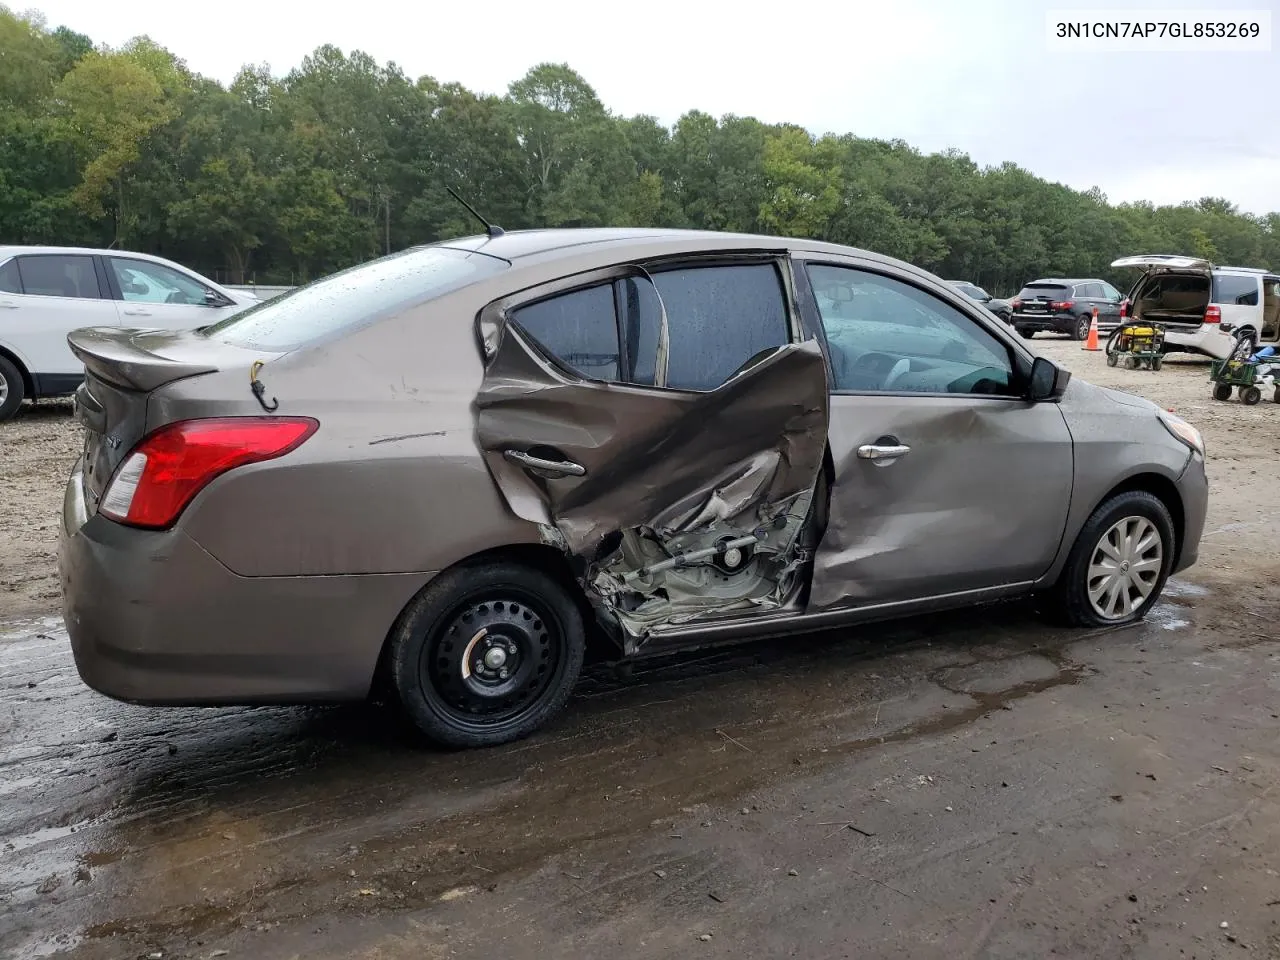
point(973, 74)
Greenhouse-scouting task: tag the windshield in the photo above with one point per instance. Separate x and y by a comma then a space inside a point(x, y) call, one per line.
point(353, 298)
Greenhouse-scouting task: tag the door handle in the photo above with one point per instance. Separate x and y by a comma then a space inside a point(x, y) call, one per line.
point(884, 453)
point(137, 313)
point(565, 468)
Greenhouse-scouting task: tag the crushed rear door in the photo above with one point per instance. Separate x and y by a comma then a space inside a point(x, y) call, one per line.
point(671, 505)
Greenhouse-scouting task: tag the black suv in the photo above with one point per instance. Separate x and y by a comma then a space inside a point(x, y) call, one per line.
point(1065, 306)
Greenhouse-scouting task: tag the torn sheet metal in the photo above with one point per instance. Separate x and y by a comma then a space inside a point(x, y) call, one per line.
point(663, 475)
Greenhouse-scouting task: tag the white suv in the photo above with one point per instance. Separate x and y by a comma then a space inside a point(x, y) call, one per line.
point(1203, 308)
point(46, 292)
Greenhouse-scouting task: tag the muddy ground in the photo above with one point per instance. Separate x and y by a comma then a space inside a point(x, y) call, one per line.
point(977, 785)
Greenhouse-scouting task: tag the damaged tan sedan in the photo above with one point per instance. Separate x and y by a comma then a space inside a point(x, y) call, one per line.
point(448, 471)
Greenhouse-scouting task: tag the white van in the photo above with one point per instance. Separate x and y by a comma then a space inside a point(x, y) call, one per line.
point(1203, 308)
point(46, 292)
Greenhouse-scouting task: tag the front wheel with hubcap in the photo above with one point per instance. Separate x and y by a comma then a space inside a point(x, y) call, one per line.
point(1119, 563)
point(1081, 331)
point(486, 654)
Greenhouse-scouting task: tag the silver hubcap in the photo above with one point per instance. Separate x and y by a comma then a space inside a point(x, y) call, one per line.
point(1125, 567)
point(4, 389)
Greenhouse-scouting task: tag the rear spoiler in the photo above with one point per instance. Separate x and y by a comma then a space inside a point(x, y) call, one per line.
point(121, 357)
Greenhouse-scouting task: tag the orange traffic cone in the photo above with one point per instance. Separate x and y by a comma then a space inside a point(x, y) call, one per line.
point(1091, 341)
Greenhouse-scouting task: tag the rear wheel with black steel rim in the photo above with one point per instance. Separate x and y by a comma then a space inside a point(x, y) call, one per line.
point(1119, 563)
point(486, 654)
point(1024, 332)
point(1222, 391)
point(1250, 395)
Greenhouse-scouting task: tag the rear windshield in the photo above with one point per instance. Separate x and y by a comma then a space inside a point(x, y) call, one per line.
point(352, 298)
point(1033, 290)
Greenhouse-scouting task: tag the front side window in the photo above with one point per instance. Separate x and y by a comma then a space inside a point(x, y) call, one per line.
point(886, 336)
point(718, 318)
point(1110, 293)
point(144, 282)
point(59, 275)
point(1236, 291)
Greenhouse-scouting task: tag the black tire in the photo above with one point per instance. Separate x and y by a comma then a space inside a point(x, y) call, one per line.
point(1157, 363)
point(1131, 363)
point(1025, 333)
point(12, 389)
point(1070, 596)
point(1112, 359)
point(521, 610)
point(1275, 397)
point(1250, 395)
point(1221, 391)
point(1080, 330)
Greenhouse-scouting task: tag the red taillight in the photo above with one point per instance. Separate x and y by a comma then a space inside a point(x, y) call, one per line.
point(1062, 305)
point(1124, 308)
point(168, 468)
point(1213, 315)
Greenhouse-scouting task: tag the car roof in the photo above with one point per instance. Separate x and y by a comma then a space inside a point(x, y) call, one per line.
point(1064, 282)
point(9, 250)
point(564, 243)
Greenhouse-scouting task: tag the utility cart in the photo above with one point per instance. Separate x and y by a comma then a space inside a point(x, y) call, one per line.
point(1247, 372)
point(1136, 345)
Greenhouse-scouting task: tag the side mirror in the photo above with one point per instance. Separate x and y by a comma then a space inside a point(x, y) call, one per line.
point(214, 299)
point(1048, 381)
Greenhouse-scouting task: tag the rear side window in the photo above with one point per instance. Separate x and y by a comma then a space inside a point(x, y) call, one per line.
point(608, 332)
point(59, 275)
point(1089, 291)
point(9, 282)
point(718, 318)
point(353, 298)
point(1234, 290)
point(580, 329)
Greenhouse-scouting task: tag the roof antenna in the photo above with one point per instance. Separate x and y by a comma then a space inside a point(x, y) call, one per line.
point(490, 228)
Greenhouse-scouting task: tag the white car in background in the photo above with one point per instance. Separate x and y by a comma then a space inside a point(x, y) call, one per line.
point(1204, 308)
point(46, 292)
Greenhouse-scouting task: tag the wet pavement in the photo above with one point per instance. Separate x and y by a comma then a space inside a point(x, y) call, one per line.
point(976, 785)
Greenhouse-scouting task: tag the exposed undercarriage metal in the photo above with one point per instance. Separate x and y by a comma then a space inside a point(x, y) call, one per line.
point(715, 569)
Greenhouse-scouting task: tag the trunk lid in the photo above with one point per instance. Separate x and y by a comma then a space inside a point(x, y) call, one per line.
point(123, 368)
point(1163, 263)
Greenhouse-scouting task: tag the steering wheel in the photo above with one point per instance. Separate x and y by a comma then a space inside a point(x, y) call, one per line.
point(898, 371)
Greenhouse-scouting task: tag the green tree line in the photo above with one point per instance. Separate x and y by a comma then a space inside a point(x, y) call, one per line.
point(282, 179)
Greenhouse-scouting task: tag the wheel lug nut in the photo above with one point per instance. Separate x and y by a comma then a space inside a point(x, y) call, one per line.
point(504, 673)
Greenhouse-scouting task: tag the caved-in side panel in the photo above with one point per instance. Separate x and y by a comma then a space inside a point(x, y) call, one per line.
point(663, 459)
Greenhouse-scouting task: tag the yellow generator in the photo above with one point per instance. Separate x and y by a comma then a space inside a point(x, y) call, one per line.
point(1137, 345)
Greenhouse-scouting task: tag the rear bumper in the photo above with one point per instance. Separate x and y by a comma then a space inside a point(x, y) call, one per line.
point(153, 618)
point(1193, 487)
point(1208, 339)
